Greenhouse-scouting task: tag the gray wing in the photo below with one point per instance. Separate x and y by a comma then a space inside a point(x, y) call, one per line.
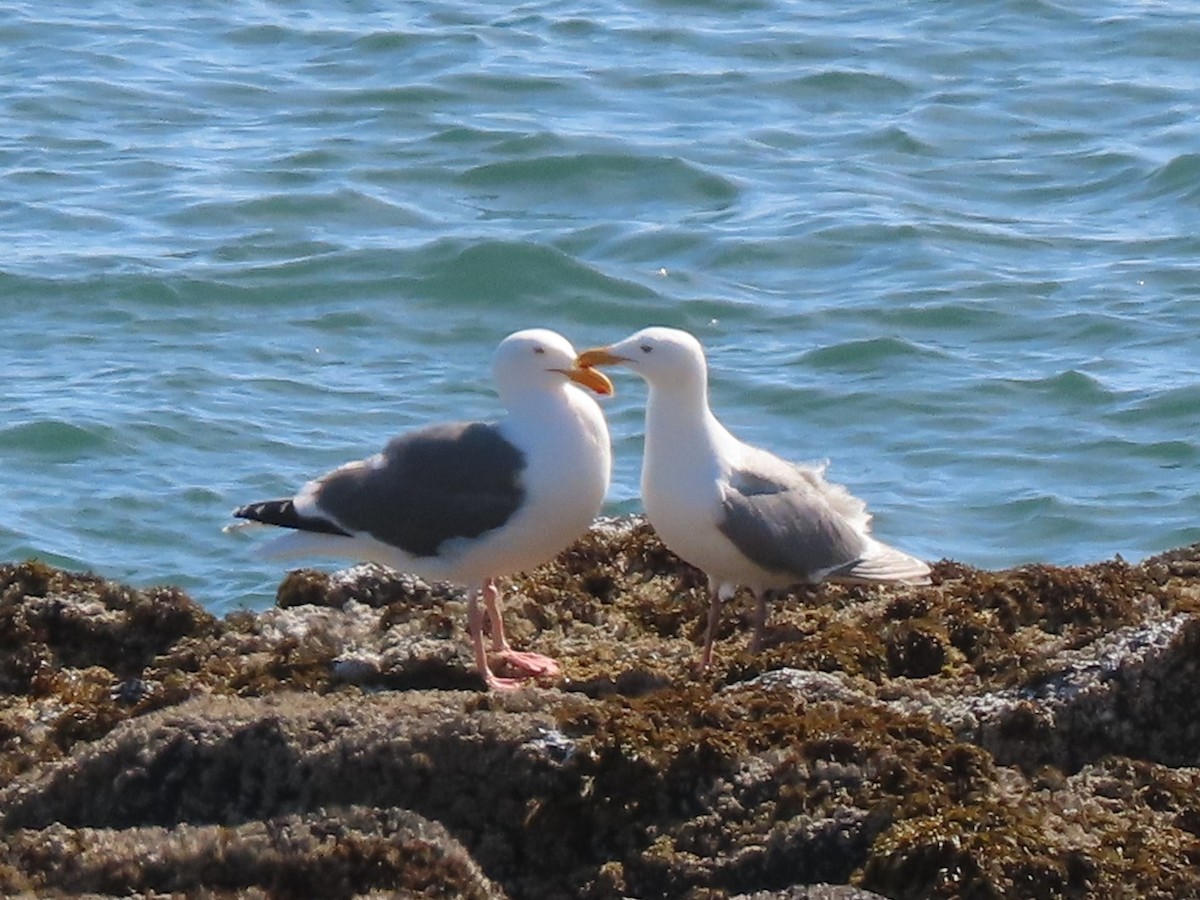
point(789, 520)
point(456, 480)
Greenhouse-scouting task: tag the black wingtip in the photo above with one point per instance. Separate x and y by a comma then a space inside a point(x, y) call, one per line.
point(283, 514)
point(269, 512)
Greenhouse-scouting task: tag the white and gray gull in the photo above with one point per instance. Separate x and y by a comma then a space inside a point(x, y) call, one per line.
point(467, 502)
point(737, 512)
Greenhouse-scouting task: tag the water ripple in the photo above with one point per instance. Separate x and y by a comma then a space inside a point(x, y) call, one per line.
point(54, 440)
point(604, 180)
point(242, 243)
point(501, 272)
point(871, 355)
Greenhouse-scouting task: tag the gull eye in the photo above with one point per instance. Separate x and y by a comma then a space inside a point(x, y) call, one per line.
point(540, 351)
point(645, 348)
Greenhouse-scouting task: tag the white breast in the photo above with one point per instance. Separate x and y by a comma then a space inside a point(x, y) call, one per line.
point(682, 491)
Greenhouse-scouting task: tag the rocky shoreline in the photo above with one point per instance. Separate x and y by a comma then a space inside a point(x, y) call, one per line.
point(1026, 733)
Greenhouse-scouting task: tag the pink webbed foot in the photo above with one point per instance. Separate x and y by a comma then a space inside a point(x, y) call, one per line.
point(496, 683)
point(521, 666)
point(527, 665)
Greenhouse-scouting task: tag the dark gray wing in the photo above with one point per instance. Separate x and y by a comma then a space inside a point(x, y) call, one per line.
point(785, 519)
point(456, 480)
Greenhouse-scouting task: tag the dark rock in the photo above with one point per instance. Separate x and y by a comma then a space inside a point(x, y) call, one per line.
point(51, 619)
point(812, 892)
point(1023, 733)
point(351, 852)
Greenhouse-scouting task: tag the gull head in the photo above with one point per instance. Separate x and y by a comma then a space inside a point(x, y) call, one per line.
point(665, 357)
point(541, 359)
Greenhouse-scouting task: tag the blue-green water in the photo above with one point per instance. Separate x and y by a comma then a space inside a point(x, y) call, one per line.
point(954, 247)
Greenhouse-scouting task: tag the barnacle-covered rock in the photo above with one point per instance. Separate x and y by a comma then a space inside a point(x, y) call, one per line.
point(1030, 732)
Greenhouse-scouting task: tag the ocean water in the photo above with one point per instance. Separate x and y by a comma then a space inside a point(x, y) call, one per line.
point(952, 247)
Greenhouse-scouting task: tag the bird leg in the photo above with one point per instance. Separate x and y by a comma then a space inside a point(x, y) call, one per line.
point(528, 665)
point(760, 620)
point(475, 629)
point(491, 596)
point(714, 611)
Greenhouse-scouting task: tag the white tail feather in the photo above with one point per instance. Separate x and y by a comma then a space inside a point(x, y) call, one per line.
point(886, 564)
point(244, 525)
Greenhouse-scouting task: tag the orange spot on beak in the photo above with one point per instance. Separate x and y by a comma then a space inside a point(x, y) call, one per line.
point(592, 379)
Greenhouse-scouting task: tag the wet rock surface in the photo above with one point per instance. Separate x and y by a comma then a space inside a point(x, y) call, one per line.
point(1025, 733)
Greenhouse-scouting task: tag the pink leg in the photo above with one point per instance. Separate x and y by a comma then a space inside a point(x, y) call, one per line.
point(528, 665)
point(491, 596)
point(475, 628)
point(714, 612)
point(760, 620)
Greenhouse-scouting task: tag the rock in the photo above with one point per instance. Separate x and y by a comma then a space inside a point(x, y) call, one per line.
point(349, 852)
point(812, 892)
point(50, 620)
point(1129, 693)
point(1024, 733)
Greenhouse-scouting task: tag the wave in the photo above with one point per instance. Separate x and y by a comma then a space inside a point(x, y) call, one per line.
point(57, 440)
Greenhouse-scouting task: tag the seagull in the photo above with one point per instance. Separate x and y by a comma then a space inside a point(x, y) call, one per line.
point(468, 502)
point(737, 512)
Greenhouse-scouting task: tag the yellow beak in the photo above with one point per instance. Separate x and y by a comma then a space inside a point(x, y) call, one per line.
point(599, 356)
point(591, 379)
